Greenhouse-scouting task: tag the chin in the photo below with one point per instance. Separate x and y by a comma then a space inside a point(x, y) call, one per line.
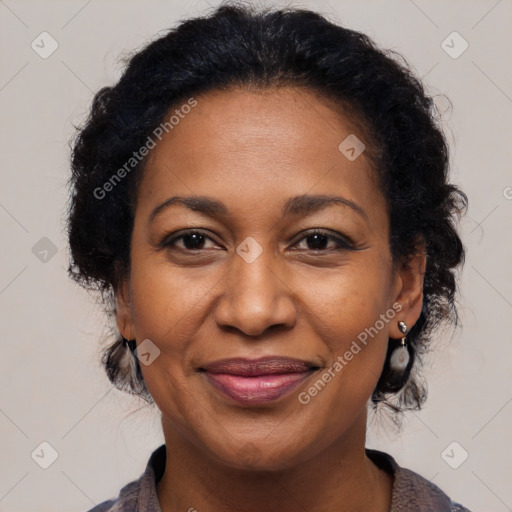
point(254, 456)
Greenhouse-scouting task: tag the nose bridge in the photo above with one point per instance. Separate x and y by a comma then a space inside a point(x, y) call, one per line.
point(255, 296)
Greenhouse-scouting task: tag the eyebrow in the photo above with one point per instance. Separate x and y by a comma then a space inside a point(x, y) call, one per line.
point(302, 205)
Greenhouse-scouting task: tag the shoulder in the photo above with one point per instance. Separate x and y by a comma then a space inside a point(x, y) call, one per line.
point(411, 491)
point(139, 495)
point(127, 501)
point(419, 492)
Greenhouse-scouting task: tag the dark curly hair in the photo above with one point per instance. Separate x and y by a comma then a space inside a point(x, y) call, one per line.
point(240, 46)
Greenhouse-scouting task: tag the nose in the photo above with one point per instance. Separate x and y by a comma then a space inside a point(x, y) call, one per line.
point(255, 297)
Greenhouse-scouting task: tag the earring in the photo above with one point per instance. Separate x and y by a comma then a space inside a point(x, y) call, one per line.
point(400, 356)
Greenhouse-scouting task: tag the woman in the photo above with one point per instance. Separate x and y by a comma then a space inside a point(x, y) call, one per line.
point(263, 201)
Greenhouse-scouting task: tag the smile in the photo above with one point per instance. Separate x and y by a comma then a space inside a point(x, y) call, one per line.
point(254, 382)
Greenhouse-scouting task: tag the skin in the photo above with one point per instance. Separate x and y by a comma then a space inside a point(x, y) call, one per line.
point(253, 150)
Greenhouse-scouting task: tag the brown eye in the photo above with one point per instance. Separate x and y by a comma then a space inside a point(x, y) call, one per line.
point(191, 241)
point(319, 240)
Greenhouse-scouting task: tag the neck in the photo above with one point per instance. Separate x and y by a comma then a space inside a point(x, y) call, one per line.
point(340, 478)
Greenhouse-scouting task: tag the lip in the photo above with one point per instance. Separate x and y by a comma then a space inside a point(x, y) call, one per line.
point(257, 381)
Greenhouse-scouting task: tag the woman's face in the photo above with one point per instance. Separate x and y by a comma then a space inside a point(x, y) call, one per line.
point(257, 282)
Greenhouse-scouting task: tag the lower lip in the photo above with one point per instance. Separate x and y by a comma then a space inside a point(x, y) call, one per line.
point(256, 390)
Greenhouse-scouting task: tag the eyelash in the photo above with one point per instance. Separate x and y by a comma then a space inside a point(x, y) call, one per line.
point(340, 243)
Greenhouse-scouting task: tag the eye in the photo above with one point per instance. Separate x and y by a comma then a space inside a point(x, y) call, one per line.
point(318, 240)
point(315, 240)
point(191, 240)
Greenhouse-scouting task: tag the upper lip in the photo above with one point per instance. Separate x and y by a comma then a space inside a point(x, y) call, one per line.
point(263, 366)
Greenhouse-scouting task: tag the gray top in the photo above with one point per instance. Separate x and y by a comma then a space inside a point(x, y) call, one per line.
point(410, 493)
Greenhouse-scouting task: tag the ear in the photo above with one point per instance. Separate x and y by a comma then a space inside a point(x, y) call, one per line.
point(124, 313)
point(408, 289)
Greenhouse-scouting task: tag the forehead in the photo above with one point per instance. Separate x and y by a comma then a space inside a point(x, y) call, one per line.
point(257, 147)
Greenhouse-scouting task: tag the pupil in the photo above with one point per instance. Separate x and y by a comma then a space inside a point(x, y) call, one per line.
point(319, 241)
point(193, 240)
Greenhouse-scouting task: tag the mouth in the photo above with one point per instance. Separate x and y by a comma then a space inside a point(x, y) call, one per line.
point(257, 381)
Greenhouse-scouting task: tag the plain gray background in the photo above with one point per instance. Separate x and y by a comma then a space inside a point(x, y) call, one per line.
point(52, 387)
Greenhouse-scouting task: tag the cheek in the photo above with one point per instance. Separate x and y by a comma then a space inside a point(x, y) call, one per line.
point(356, 338)
point(167, 311)
point(166, 302)
point(348, 301)
point(352, 316)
